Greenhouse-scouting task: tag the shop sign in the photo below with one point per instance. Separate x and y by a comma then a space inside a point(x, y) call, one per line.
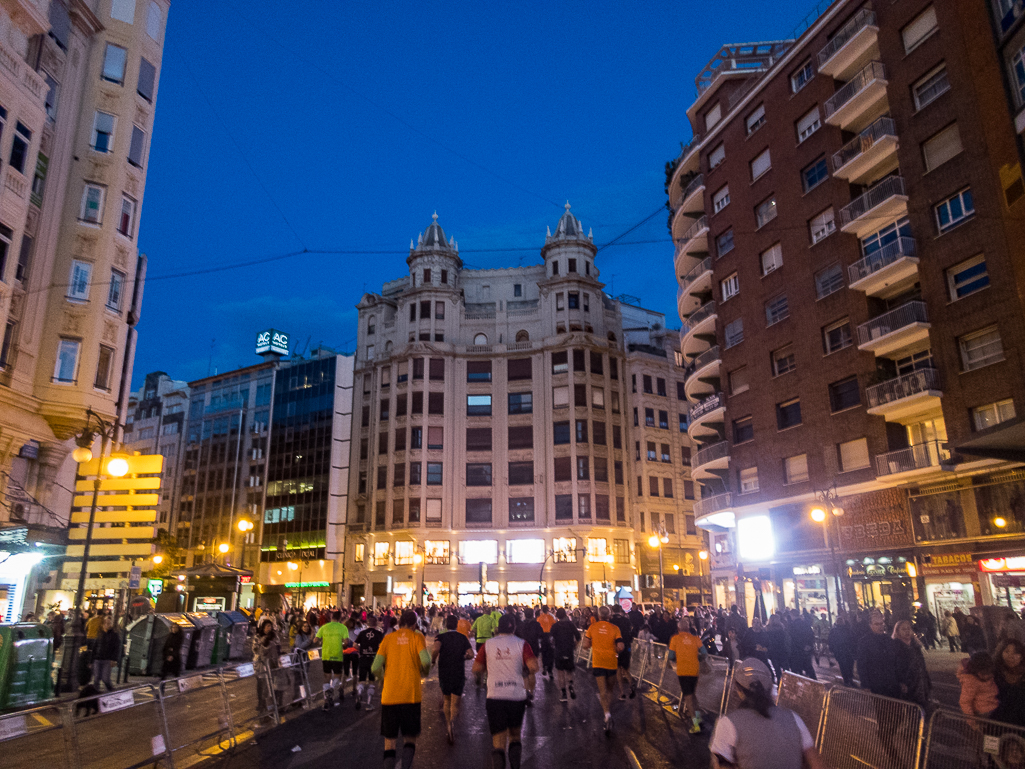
point(1016, 563)
point(878, 568)
point(801, 571)
point(947, 564)
point(1007, 580)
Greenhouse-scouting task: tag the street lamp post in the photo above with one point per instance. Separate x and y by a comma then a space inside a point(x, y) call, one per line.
point(657, 540)
point(828, 508)
point(702, 557)
point(244, 526)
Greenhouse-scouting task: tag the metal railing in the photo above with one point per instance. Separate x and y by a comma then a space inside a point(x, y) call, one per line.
point(697, 181)
point(700, 314)
point(904, 386)
point(709, 355)
point(711, 454)
point(704, 406)
point(917, 457)
point(705, 265)
point(861, 729)
point(874, 71)
point(894, 320)
point(709, 505)
point(863, 18)
point(692, 232)
point(861, 205)
point(956, 741)
point(863, 142)
point(884, 257)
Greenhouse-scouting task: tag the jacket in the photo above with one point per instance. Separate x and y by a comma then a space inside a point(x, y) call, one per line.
point(949, 627)
point(978, 698)
point(879, 665)
point(108, 645)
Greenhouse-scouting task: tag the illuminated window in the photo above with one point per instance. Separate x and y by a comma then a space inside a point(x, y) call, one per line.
point(404, 550)
point(597, 549)
point(525, 551)
point(565, 549)
point(381, 553)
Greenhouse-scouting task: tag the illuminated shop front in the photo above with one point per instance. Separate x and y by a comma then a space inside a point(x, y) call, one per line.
point(1005, 580)
point(470, 594)
point(813, 588)
point(883, 582)
point(438, 592)
point(566, 594)
point(522, 593)
point(951, 582)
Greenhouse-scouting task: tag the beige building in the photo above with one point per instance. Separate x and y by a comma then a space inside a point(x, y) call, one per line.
point(78, 82)
point(493, 448)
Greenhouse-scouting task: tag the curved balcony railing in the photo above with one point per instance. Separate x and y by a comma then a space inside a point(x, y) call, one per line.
point(705, 406)
point(884, 257)
point(904, 386)
point(703, 312)
point(861, 205)
point(696, 182)
point(709, 355)
point(894, 320)
point(699, 269)
point(863, 18)
point(711, 454)
point(917, 457)
point(864, 141)
point(714, 504)
point(694, 229)
point(874, 71)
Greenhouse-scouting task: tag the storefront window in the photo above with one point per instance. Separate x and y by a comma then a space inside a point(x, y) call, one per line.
point(469, 593)
point(567, 593)
point(438, 592)
point(1001, 508)
point(402, 593)
point(437, 552)
point(938, 516)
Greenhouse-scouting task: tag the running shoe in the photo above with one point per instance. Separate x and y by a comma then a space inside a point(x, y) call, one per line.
point(608, 726)
point(695, 726)
point(572, 693)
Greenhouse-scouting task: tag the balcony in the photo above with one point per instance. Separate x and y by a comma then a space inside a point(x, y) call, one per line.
point(688, 161)
point(860, 101)
point(703, 415)
point(692, 245)
point(854, 42)
point(868, 155)
point(711, 459)
point(700, 329)
point(715, 511)
point(914, 460)
point(898, 330)
point(880, 205)
point(693, 200)
point(702, 373)
point(888, 271)
point(911, 395)
point(693, 285)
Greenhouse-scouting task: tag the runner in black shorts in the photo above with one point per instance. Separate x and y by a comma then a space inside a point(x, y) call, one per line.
point(626, 628)
point(368, 641)
point(565, 637)
point(451, 650)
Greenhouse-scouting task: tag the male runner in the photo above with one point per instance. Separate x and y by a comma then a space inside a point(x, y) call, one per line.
point(401, 662)
point(546, 621)
point(333, 636)
point(686, 646)
point(451, 650)
point(511, 667)
point(368, 642)
point(564, 641)
point(530, 631)
point(626, 681)
point(483, 628)
point(606, 641)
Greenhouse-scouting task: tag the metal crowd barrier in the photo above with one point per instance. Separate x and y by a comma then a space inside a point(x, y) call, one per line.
point(955, 741)
point(173, 722)
point(861, 729)
point(807, 698)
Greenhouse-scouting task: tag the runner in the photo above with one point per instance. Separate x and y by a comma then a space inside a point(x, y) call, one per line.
point(367, 643)
point(482, 629)
point(451, 650)
point(332, 637)
point(565, 637)
point(464, 626)
point(686, 647)
point(511, 667)
point(546, 621)
point(530, 631)
point(626, 681)
point(606, 641)
point(401, 662)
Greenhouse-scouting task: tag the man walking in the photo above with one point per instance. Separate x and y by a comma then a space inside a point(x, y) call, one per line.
point(401, 662)
point(686, 647)
point(547, 621)
point(332, 637)
point(511, 666)
point(606, 641)
point(626, 682)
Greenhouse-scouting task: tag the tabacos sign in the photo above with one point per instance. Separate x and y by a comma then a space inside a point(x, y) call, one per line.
point(272, 341)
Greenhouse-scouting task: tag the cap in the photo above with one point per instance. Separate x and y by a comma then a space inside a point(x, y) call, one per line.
point(751, 671)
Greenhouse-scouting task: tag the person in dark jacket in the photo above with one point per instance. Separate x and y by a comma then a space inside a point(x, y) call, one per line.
point(844, 647)
point(915, 683)
point(972, 638)
point(171, 654)
point(106, 652)
point(802, 645)
point(878, 662)
point(1009, 659)
point(776, 644)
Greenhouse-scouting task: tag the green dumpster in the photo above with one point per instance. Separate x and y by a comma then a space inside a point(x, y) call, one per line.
point(26, 661)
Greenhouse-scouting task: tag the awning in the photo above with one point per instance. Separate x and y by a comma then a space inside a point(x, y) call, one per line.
point(1006, 442)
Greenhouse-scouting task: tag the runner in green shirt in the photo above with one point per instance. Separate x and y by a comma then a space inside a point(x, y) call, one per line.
point(332, 637)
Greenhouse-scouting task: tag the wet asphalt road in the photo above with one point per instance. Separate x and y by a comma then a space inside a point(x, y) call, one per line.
point(554, 735)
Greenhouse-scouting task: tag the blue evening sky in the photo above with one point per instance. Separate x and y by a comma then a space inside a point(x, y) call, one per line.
point(344, 126)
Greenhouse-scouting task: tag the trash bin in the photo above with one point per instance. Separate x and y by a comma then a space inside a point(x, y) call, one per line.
point(146, 637)
point(203, 639)
point(235, 629)
point(26, 659)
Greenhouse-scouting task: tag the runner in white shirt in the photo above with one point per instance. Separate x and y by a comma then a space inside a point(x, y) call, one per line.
point(511, 666)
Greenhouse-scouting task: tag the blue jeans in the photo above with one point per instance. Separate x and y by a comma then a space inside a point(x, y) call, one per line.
point(101, 673)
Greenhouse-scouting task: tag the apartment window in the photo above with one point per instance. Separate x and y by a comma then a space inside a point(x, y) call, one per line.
point(942, 147)
point(478, 371)
point(853, 455)
point(984, 417)
point(560, 362)
point(776, 309)
point(115, 290)
point(652, 452)
point(147, 80)
point(802, 76)
point(477, 439)
point(828, 280)
point(765, 211)
point(581, 430)
point(434, 473)
point(795, 469)
point(114, 64)
point(19, 148)
point(836, 336)
point(981, 348)
point(521, 509)
point(103, 132)
point(721, 199)
point(743, 430)
point(724, 243)
point(808, 124)
point(435, 437)
point(783, 361)
point(433, 512)
point(52, 94)
point(919, 29)
point(598, 433)
point(8, 343)
point(153, 16)
point(104, 366)
point(788, 414)
point(760, 164)
point(646, 383)
point(598, 398)
point(729, 287)
point(663, 420)
point(435, 403)
point(563, 469)
point(716, 157)
point(967, 277)
point(123, 10)
point(416, 405)
point(92, 204)
point(437, 369)
point(66, 367)
point(822, 226)
point(439, 311)
point(561, 432)
point(734, 333)
point(635, 417)
point(649, 417)
point(521, 403)
point(749, 480)
point(653, 487)
point(521, 473)
point(844, 394)
point(572, 266)
point(126, 222)
point(573, 299)
point(663, 449)
point(934, 85)
point(478, 474)
point(78, 285)
point(479, 511)
point(660, 386)
point(756, 119)
point(772, 258)
point(519, 369)
point(713, 116)
point(814, 175)
point(583, 469)
point(955, 210)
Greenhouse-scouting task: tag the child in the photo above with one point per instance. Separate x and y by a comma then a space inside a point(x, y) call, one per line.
point(978, 689)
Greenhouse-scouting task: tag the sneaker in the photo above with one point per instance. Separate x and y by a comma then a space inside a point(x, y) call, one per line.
point(327, 700)
point(563, 697)
point(572, 693)
point(695, 726)
point(359, 691)
point(608, 726)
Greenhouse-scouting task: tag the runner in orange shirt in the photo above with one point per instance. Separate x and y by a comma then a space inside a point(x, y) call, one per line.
point(464, 626)
point(605, 641)
point(547, 621)
point(686, 647)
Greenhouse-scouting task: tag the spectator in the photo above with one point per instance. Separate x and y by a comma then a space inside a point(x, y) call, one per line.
point(972, 638)
point(755, 642)
point(802, 639)
point(1009, 661)
point(106, 652)
point(949, 629)
point(171, 653)
point(878, 663)
point(844, 647)
point(776, 644)
point(915, 683)
point(978, 689)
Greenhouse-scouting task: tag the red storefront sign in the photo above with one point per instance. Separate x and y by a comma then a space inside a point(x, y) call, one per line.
point(1015, 563)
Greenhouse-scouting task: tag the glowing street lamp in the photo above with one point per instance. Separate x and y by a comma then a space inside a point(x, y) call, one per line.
point(828, 501)
point(656, 541)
